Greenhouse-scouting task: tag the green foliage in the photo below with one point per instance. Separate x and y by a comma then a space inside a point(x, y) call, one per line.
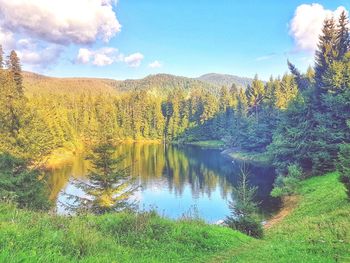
point(313, 126)
point(244, 209)
point(343, 166)
point(288, 184)
point(109, 185)
point(316, 230)
point(123, 237)
point(21, 185)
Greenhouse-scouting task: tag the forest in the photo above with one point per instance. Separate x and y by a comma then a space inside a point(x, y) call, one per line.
point(301, 121)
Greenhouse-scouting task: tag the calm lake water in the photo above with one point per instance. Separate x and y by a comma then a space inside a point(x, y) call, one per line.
point(175, 180)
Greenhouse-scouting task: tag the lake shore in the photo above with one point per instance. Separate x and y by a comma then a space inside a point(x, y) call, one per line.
point(258, 158)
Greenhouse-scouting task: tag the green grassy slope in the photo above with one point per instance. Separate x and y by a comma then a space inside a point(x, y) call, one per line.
point(35, 237)
point(318, 230)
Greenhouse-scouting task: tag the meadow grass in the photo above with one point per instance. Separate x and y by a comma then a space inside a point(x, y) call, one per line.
point(317, 230)
point(38, 237)
point(252, 157)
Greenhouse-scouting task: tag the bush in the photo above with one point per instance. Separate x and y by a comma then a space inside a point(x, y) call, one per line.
point(287, 185)
point(343, 166)
point(20, 185)
point(248, 225)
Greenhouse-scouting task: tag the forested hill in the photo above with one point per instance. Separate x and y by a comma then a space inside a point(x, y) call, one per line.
point(38, 84)
point(225, 80)
point(159, 84)
point(163, 83)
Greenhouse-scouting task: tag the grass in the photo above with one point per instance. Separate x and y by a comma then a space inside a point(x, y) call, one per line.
point(252, 157)
point(213, 144)
point(38, 237)
point(317, 230)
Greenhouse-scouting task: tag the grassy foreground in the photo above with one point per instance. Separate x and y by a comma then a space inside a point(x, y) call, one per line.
point(39, 237)
point(317, 230)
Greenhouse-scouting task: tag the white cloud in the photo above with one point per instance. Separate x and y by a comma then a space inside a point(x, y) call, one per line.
point(100, 57)
point(34, 54)
point(60, 21)
point(155, 64)
point(107, 56)
point(306, 25)
point(7, 39)
point(134, 60)
point(84, 56)
point(267, 57)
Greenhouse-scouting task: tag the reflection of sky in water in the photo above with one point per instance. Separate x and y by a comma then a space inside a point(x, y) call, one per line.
point(212, 208)
point(175, 181)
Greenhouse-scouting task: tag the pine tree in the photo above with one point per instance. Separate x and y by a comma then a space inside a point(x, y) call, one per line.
point(244, 208)
point(14, 65)
point(342, 36)
point(109, 187)
point(255, 94)
point(1, 57)
point(301, 80)
point(325, 54)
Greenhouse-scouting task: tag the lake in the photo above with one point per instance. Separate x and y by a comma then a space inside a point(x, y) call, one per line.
point(177, 181)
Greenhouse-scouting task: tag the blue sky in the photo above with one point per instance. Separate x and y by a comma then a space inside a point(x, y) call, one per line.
point(188, 38)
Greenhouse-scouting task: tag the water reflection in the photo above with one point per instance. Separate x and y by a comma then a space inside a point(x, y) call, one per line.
point(174, 179)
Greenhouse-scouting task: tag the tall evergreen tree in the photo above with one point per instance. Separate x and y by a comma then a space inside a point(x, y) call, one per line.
point(325, 54)
point(14, 65)
point(342, 36)
point(1, 57)
point(110, 186)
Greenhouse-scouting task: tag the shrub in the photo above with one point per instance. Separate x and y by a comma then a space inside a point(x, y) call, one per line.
point(343, 166)
point(287, 185)
point(20, 185)
point(248, 225)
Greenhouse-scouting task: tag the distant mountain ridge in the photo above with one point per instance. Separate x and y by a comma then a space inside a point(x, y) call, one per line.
point(225, 80)
point(159, 83)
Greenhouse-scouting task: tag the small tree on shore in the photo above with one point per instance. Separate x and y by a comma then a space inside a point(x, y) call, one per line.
point(244, 209)
point(109, 186)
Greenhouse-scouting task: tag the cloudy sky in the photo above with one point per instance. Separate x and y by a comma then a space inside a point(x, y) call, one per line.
point(133, 38)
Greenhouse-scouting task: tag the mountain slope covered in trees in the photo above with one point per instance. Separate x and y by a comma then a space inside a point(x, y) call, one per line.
point(160, 84)
point(225, 80)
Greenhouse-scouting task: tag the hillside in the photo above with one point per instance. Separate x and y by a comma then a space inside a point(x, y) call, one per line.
point(165, 83)
point(225, 80)
point(160, 83)
point(38, 237)
point(39, 84)
point(317, 230)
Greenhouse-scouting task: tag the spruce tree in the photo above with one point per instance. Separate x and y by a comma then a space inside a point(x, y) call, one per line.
point(244, 209)
point(1, 57)
point(255, 95)
point(14, 65)
point(110, 185)
point(342, 36)
point(325, 54)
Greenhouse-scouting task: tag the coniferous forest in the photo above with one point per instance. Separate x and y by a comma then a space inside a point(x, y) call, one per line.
point(299, 121)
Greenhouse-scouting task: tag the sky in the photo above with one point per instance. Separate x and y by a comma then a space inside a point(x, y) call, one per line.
point(133, 38)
